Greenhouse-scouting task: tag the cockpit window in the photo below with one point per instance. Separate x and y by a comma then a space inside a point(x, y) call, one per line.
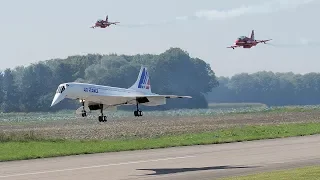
point(61, 89)
point(242, 37)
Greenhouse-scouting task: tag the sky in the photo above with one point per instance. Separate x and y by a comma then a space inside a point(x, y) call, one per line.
point(37, 30)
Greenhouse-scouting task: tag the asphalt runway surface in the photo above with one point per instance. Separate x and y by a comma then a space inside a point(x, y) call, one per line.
point(188, 163)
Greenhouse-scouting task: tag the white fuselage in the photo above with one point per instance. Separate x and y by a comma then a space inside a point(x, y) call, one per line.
point(100, 94)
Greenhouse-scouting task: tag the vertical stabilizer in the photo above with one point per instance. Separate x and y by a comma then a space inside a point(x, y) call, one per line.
point(252, 35)
point(143, 82)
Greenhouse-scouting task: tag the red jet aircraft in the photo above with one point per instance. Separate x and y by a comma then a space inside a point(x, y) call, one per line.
point(103, 24)
point(247, 42)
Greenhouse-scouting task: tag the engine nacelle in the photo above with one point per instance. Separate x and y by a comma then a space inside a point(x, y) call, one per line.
point(94, 107)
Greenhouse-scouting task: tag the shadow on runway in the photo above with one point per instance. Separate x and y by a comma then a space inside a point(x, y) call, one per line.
point(181, 170)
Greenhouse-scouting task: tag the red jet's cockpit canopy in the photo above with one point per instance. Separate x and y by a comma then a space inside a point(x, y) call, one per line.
point(61, 88)
point(241, 37)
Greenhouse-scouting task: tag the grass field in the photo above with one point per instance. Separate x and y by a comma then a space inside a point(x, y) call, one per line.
point(33, 135)
point(30, 148)
point(65, 125)
point(307, 173)
point(214, 110)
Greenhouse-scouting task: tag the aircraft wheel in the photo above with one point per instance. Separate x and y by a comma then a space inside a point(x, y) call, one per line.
point(84, 114)
point(136, 113)
point(100, 118)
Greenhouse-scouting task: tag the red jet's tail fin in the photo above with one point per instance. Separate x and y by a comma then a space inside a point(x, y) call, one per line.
point(252, 35)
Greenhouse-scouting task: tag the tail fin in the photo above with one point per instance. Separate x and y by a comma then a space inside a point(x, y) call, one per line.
point(252, 35)
point(143, 82)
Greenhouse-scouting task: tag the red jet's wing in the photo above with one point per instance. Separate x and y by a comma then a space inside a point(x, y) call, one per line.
point(115, 23)
point(233, 47)
point(263, 41)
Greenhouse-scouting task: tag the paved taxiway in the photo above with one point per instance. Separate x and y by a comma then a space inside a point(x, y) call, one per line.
point(196, 162)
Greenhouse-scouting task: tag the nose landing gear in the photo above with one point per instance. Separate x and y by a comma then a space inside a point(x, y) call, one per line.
point(83, 112)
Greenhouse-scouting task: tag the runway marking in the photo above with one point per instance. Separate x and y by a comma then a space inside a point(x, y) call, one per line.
point(97, 166)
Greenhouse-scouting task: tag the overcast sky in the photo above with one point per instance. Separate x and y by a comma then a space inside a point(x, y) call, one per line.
point(37, 30)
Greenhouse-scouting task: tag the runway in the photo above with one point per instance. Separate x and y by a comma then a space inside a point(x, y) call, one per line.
point(187, 163)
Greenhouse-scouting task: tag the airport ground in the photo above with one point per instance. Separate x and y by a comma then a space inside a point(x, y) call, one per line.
point(181, 163)
point(149, 128)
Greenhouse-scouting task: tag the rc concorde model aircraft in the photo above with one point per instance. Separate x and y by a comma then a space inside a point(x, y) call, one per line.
point(98, 97)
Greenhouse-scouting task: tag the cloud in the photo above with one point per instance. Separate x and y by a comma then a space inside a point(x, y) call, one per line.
point(267, 7)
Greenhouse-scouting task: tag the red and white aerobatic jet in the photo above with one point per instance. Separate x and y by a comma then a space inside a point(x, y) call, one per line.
point(103, 23)
point(247, 42)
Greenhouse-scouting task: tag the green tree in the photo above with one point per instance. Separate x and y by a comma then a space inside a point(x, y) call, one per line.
point(10, 95)
point(32, 88)
point(273, 89)
point(1, 87)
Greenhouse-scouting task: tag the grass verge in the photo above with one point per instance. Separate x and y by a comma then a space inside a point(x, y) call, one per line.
point(236, 105)
point(307, 173)
point(30, 149)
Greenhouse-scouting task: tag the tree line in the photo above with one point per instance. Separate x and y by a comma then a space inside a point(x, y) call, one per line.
point(32, 88)
point(273, 89)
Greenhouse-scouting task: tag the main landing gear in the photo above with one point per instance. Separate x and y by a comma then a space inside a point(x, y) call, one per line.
point(138, 112)
point(102, 118)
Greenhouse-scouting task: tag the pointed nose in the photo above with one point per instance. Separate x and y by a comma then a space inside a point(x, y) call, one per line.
point(57, 98)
